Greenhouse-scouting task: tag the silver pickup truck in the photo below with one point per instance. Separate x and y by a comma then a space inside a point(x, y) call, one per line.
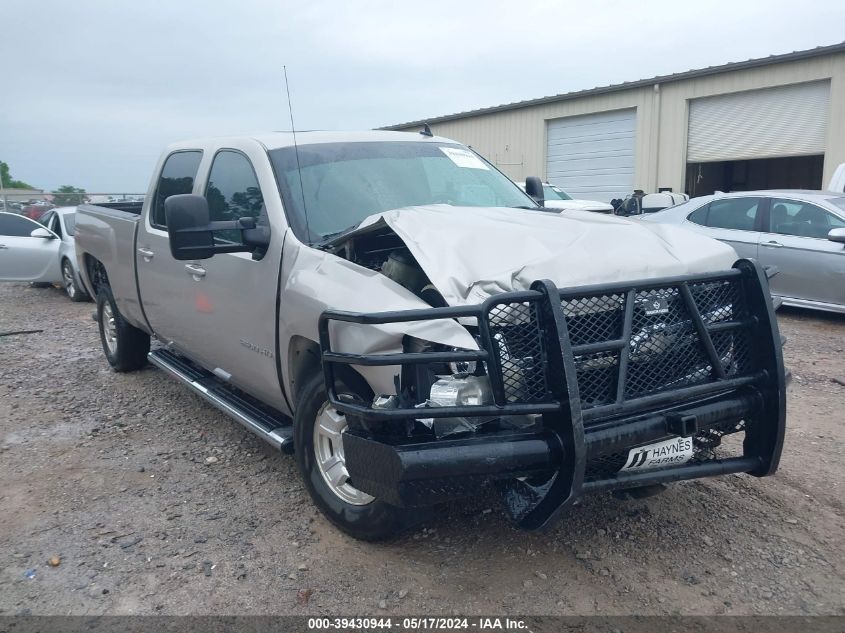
point(414, 327)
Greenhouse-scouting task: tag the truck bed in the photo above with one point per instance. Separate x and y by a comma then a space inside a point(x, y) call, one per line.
point(106, 232)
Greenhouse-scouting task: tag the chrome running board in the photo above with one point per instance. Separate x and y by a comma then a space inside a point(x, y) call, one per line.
point(267, 423)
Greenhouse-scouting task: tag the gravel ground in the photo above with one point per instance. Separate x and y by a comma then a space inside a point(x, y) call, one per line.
point(111, 477)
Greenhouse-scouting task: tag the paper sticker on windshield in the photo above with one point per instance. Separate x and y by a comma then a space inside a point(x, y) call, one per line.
point(464, 158)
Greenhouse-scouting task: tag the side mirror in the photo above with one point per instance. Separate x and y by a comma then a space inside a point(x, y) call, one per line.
point(534, 188)
point(42, 232)
point(837, 235)
point(191, 231)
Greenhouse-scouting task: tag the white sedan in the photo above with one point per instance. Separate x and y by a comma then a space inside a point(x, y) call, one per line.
point(41, 252)
point(557, 198)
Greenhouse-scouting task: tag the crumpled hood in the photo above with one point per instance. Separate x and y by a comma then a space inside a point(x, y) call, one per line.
point(471, 253)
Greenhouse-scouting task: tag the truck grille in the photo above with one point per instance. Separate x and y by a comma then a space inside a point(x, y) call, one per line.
point(661, 348)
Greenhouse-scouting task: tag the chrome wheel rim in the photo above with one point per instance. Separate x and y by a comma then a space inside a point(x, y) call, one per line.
point(331, 461)
point(109, 328)
point(67, 275)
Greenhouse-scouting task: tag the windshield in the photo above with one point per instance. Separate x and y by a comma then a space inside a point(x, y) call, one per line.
point(70, 223)
point(343, 183)
point(839, 202)
point(550, 192)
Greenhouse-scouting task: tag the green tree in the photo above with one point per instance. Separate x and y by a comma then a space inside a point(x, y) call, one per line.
point(68, 195)
point(7, 180)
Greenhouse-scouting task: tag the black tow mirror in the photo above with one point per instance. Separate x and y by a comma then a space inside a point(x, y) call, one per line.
point(191, 230)
point(534, 188)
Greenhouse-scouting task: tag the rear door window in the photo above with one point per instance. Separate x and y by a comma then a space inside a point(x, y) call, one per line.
point(739, 214)
point(16, 225)
point(233, 192)
point(801, 219)
point(177, 177)
point(55, 225)
point(70, 223)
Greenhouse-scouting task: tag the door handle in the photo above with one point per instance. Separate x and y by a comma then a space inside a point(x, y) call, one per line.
point(3, 247)
point(195, 270)
point(146, 253)
point(773, 244)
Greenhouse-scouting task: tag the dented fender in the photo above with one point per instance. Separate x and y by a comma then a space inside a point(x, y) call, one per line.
point(313, 281)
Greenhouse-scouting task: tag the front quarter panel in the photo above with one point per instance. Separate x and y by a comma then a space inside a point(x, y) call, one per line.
point(314, 281)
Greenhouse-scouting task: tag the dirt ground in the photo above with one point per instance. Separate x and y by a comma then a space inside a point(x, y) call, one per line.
point(108, 473)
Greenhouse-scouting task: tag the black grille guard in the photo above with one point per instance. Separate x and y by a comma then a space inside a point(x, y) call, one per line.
point(586, 356)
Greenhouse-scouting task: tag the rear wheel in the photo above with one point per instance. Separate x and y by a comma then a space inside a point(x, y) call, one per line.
point(69, 281)
point(125, 346)
point(318, 437)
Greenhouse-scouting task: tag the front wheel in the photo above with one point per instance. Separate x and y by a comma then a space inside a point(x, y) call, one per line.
point(125, 346)
point(318, 437)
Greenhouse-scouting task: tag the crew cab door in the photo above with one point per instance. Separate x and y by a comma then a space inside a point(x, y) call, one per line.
point(235, 321)
point(163, 282)
point(24, 256)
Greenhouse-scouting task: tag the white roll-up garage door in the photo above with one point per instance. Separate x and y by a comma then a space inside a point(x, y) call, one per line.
point(783, 121)
point(592, 156)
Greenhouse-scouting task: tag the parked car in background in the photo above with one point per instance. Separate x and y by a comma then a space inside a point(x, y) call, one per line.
point(640, 203)
point(42, 253)
point(62, 222)
point(802, 233)
point(557, 198)
point(35, 211)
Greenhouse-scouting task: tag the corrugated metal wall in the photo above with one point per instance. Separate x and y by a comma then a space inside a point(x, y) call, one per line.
point(515, 140)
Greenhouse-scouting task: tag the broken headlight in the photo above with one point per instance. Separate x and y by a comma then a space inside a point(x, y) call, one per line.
point(461, 390)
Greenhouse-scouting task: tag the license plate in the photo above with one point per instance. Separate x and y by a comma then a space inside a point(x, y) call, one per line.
point(672, 452)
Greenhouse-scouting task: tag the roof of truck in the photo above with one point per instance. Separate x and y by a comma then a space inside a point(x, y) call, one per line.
point(276, 140)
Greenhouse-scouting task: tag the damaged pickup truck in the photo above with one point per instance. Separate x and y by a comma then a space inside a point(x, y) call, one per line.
point(399, 314)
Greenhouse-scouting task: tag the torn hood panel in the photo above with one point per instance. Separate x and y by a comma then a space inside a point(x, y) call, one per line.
point(471, 253)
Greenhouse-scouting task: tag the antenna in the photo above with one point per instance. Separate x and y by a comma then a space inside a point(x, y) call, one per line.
point(296, 151)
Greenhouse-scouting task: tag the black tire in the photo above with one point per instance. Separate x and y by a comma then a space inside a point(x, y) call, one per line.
point(72, 287)
point(130, 345)
point(371, 522)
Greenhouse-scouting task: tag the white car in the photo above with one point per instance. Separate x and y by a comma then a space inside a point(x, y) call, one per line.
point(557, 198)
point(41, 252)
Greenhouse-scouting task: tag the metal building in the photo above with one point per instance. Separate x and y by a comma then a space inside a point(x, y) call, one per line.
point(770, 123)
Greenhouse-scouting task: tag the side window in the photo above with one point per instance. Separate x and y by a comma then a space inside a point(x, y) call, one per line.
point(699, 216)
point(233, 192)
point(55, 225)
point(733, 213)
point(177, 176)
point(802, 219)
point(16, 225)
point(47, 219)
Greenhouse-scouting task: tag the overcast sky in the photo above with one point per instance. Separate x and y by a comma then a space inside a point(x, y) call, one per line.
point(91, 91)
